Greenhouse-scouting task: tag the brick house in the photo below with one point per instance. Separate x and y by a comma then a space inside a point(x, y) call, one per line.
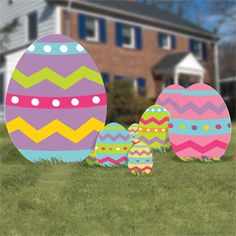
point(149, 47)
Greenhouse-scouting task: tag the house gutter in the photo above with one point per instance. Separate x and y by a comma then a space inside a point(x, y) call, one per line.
point(216, 66)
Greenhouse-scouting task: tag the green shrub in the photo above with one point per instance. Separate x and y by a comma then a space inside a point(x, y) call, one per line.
point(123, 106)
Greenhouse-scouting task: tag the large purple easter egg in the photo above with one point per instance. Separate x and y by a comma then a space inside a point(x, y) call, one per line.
point(56, 101)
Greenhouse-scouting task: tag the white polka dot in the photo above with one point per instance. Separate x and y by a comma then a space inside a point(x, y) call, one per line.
point(148, 130)
point(96, 148)
point(74, 102)
point(155, 130)
point(35, 102)
point(79, 48)
point(47, 48)
point(63, 48)
point(117, 149)
point(140, 128)
point(56, 103)
point(159, 109)
point(96, 99)
point(15, 99)
point(163, 130)
point(31, 48)
point(153, 109)
point(164, 109)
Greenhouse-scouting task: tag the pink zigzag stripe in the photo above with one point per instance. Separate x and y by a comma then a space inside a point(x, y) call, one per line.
point(108, 159)
point(114, 138)
point(155, 139)
point(133, 130)
point(192, 106)
point(140, 153)
point(140, 169)
point(158, 122)
point(199, 148)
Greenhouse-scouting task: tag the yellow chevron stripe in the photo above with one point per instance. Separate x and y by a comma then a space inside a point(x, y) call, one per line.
point(48, 74)
point(55, 126)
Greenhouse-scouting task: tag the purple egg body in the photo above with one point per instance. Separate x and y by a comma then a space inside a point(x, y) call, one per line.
point(56, 101)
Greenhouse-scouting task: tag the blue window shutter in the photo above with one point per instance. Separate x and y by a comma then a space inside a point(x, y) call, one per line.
point(81, 30)
point(173, 42)
point(160, 39)
point(138, 37)
point(105, 77)
point(141, 82)
point(102, 30)
point(119, 39)
point(204, 51)
point(118, 77)
point(191, 45)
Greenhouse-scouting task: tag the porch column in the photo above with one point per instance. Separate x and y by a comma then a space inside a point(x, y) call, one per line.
point(176, 77)
point(201, 78)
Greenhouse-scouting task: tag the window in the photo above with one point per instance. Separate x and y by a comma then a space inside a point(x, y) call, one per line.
point(91, 28)
point(137, 84)
point(128, 36)
point(32, 26)
point(166, 41)
point(141, 86)
point(1, 88)
point(199, 49)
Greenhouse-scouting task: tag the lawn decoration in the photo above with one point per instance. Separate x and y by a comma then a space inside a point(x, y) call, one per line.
point(133, 132)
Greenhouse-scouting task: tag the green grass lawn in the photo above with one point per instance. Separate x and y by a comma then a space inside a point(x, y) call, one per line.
point(177, 198)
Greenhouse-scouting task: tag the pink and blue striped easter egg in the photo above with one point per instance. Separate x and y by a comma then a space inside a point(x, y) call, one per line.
point(113, 145)
point(200, 125)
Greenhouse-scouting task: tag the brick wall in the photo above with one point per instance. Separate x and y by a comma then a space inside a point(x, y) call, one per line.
point(132, 63)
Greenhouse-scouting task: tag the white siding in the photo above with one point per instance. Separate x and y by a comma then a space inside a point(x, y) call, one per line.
point(47, 22)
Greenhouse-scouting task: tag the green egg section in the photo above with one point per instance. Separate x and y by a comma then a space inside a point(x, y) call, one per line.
point(155, 118)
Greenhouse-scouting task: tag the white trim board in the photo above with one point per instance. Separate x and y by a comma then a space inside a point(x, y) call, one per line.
point(139, 24)
point(57, 15)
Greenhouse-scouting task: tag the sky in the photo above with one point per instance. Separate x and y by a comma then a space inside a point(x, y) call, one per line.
point(199, 9)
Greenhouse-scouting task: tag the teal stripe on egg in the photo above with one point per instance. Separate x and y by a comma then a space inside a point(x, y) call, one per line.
point(64, 48)
point(199, 127)
point(191, 92)
point(66, 156)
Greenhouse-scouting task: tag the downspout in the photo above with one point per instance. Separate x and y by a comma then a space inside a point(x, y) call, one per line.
point(216, 66)
point(67, 18)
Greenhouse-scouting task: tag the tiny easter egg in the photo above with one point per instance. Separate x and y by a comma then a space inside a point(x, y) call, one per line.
point(140, 159)
point(56, 101)
point(91, 159)
point(113, 145)
point(200, 125)
point(133, 132)
point(153, 128)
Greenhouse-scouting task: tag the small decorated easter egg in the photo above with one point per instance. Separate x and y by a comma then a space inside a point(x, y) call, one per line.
point(200, 125)
point(113, 145)
point(91, 158)
point(56, 101)
point(153, 128)
point(140, 159)
point(133, 132)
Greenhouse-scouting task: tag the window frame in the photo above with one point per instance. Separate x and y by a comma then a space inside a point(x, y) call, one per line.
point(96, 29)
point(2, 73)
point(168, 46)
point(132, 34)
point(198, 44)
